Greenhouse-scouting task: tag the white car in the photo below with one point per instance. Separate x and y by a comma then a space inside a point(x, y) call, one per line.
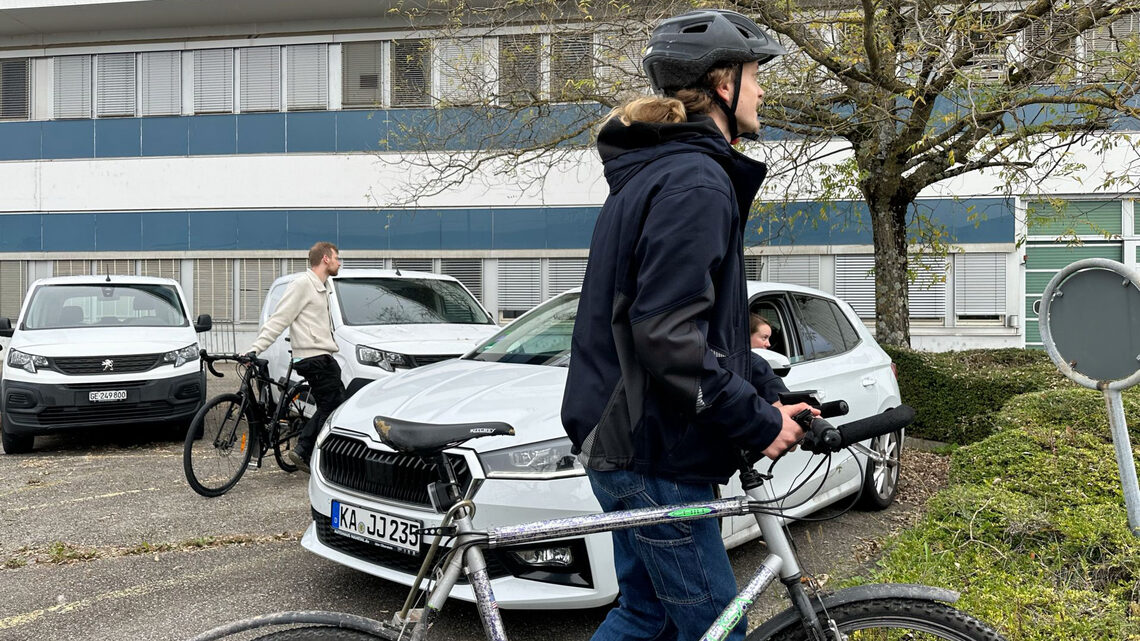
point(385, 321)
point(367, 501)
point(99, 351)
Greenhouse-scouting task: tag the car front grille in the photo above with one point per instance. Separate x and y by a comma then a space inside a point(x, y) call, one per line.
point(98, 364)
point(351, 464)
point(147, 410)
point(390, 559)
point(428, 359)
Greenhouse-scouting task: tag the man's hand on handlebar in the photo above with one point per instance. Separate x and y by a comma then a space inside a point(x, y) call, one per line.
point(248, 357)
point(791, 431)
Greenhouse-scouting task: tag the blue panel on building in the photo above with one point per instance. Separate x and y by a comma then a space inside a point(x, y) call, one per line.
point(69, 232)
point(310, 132)
point(213, 230)
point(362, 229)
point(466, 229)
point(20, 140)
point(361, 130)
point(306, 227)
point(117, 138)
point(118, 232)
point(21, 232)
point(970, 220)
point(166, 231)
point(213, 135)
point(418, 129)
point(414, 229)
point(262, 229)
point(570, 227)
point(518, 229)
point(166, 136)
point(68, 139)
point(261, 134)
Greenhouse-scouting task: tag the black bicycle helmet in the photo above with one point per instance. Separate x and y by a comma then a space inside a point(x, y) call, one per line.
point(683, 49)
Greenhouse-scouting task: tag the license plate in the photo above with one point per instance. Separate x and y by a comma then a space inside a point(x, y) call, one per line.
point(107, 395)
point(385, 530)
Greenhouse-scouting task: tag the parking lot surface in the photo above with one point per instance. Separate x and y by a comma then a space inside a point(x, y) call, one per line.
point(101, 538)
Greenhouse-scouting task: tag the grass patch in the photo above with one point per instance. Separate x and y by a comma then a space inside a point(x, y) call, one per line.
point(1033, 530)
point(62, 552)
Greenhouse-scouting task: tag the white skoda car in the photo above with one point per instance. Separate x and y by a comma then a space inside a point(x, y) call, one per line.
point(368, 502)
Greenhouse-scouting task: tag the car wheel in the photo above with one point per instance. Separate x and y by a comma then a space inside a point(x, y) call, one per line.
point(881, 480)
point(14, 443)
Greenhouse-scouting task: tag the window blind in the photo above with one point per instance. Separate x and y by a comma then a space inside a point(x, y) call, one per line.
point(259, 78)
point(161, 83)
point(213, 81)
point(411, 73)
point(361, 65)
point(307, 76)
point(72, 84)
point(14, 88)
point(979, 284)
point(564, 274)
point(115, 84)
point(520, 283)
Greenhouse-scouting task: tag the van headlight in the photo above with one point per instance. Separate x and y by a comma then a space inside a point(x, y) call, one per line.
point(27, 362)
point(387, 361)
point(182, 356)
point(545, 460)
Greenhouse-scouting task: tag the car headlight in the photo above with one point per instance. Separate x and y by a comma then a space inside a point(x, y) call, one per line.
point(387, 361)
point(27, 362)
point(182, 356)
point(326, 429)
point(545, 460)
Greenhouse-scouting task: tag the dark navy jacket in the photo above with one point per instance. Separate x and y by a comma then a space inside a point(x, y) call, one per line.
point(660, 377)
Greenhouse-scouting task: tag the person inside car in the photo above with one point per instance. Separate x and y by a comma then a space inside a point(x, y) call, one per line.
point(659, 400)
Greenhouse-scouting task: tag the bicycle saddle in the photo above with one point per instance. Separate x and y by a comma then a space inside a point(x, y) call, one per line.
point(410, 437)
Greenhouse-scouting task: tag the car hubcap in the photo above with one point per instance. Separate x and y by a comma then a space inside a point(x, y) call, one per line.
point(885, 475)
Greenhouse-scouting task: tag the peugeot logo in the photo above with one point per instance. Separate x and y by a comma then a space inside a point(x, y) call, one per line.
point(108, 365)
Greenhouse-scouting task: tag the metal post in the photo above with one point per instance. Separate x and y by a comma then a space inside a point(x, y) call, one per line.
point(1124, 460)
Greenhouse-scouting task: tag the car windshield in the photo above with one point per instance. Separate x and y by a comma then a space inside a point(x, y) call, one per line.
point(542, 337)
point(407, 301)
point(104, 305)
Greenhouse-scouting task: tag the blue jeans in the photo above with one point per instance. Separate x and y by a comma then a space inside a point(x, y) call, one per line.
point(674, 578)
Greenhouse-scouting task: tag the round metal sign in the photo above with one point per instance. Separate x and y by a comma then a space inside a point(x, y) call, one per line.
point(1090, 323)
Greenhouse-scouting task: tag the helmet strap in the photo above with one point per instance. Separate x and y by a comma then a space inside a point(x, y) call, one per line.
point(730, 110)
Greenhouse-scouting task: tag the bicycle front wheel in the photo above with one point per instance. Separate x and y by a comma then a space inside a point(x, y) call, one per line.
point(896, 620)
point(288, 422)
point(318, 633)
point(218, 446)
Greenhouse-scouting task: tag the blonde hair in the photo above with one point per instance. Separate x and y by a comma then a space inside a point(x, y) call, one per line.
point(677, 107)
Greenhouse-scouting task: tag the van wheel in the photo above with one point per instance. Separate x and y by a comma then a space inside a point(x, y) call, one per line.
point(15, 443)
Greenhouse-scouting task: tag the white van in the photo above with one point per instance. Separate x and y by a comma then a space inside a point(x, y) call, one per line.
point(386, 321)
point(94, 351)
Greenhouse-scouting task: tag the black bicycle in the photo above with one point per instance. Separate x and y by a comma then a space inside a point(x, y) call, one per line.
point(230, 428)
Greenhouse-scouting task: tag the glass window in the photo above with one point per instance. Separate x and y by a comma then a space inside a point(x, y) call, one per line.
point(541, 338)
point(406, 301)
point(571, 66)
point(14, 79)
point(818, 327)
point(108, 305)
point(411, 73)
point(519, 71)
point(361, 76)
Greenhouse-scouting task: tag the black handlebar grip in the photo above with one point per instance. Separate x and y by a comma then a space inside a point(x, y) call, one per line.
point(889, 421)
point(833, 408)
point(210, 366)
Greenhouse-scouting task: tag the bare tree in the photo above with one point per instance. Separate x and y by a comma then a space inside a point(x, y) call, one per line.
point(879, 100)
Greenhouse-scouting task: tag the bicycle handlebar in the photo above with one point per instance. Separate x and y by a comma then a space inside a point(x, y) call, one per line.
point(822, 437)
point(210, 359)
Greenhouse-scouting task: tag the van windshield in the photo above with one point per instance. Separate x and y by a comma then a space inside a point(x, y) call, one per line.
point(407, 301)
point(105, 305)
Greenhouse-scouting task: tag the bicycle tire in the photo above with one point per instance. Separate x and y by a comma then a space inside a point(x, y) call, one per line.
point(317, 633)
point(217, 452)
point(890, 619)
point(291, 412)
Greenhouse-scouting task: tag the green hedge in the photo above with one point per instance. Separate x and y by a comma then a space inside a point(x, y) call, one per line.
point(1033, 530)
point(956, 394)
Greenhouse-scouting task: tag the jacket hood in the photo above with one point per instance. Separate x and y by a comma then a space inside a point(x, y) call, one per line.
point(627, 149)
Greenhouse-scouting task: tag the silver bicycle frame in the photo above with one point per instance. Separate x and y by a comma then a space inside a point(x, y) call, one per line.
point(782, 562)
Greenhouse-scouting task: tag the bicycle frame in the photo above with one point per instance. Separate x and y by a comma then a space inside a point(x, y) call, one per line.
point(781, 562)
point(260, 400)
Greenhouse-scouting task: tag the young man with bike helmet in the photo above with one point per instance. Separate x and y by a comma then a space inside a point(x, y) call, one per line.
point(661, 398)
point(304, 307)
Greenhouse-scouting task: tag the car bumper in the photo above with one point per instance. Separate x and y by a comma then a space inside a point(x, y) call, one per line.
point(43, 408)
point(591, 583)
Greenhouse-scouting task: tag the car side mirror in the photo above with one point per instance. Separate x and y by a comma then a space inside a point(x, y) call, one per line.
point(5, 327)
point(777, 361)
point(203, 324)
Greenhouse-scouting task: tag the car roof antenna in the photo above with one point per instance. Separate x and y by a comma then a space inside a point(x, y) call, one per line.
point(398, 272)
point(108, 278)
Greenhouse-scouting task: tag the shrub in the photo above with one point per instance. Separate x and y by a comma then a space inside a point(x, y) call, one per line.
point(1033, 530)
point(956, 394)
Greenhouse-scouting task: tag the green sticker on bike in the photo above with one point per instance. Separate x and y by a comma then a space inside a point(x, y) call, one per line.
point(689, 512)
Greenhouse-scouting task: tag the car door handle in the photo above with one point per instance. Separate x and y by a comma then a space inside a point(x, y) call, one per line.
point(869, 381)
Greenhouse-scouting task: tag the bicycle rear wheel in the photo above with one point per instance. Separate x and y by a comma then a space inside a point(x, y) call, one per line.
point(896, 619)
point(288, 422)
point(218, 445)
point(318, 633)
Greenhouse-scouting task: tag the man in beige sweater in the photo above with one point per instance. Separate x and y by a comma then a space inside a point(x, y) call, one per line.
point(305, 309)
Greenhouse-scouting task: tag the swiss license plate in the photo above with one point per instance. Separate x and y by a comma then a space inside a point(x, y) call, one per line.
point(107, 395)
point(385, 530)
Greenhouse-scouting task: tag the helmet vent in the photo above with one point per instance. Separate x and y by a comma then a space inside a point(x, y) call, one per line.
point(697, 28)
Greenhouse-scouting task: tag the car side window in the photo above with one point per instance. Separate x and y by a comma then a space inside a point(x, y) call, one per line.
point(850, 336)
point(275, 295)
point(819, 328)
point(774, 310)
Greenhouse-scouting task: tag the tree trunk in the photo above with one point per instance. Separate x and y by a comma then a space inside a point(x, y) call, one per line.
point(892, 302)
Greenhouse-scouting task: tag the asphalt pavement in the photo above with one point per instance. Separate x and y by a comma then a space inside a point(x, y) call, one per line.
point(102, 539)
